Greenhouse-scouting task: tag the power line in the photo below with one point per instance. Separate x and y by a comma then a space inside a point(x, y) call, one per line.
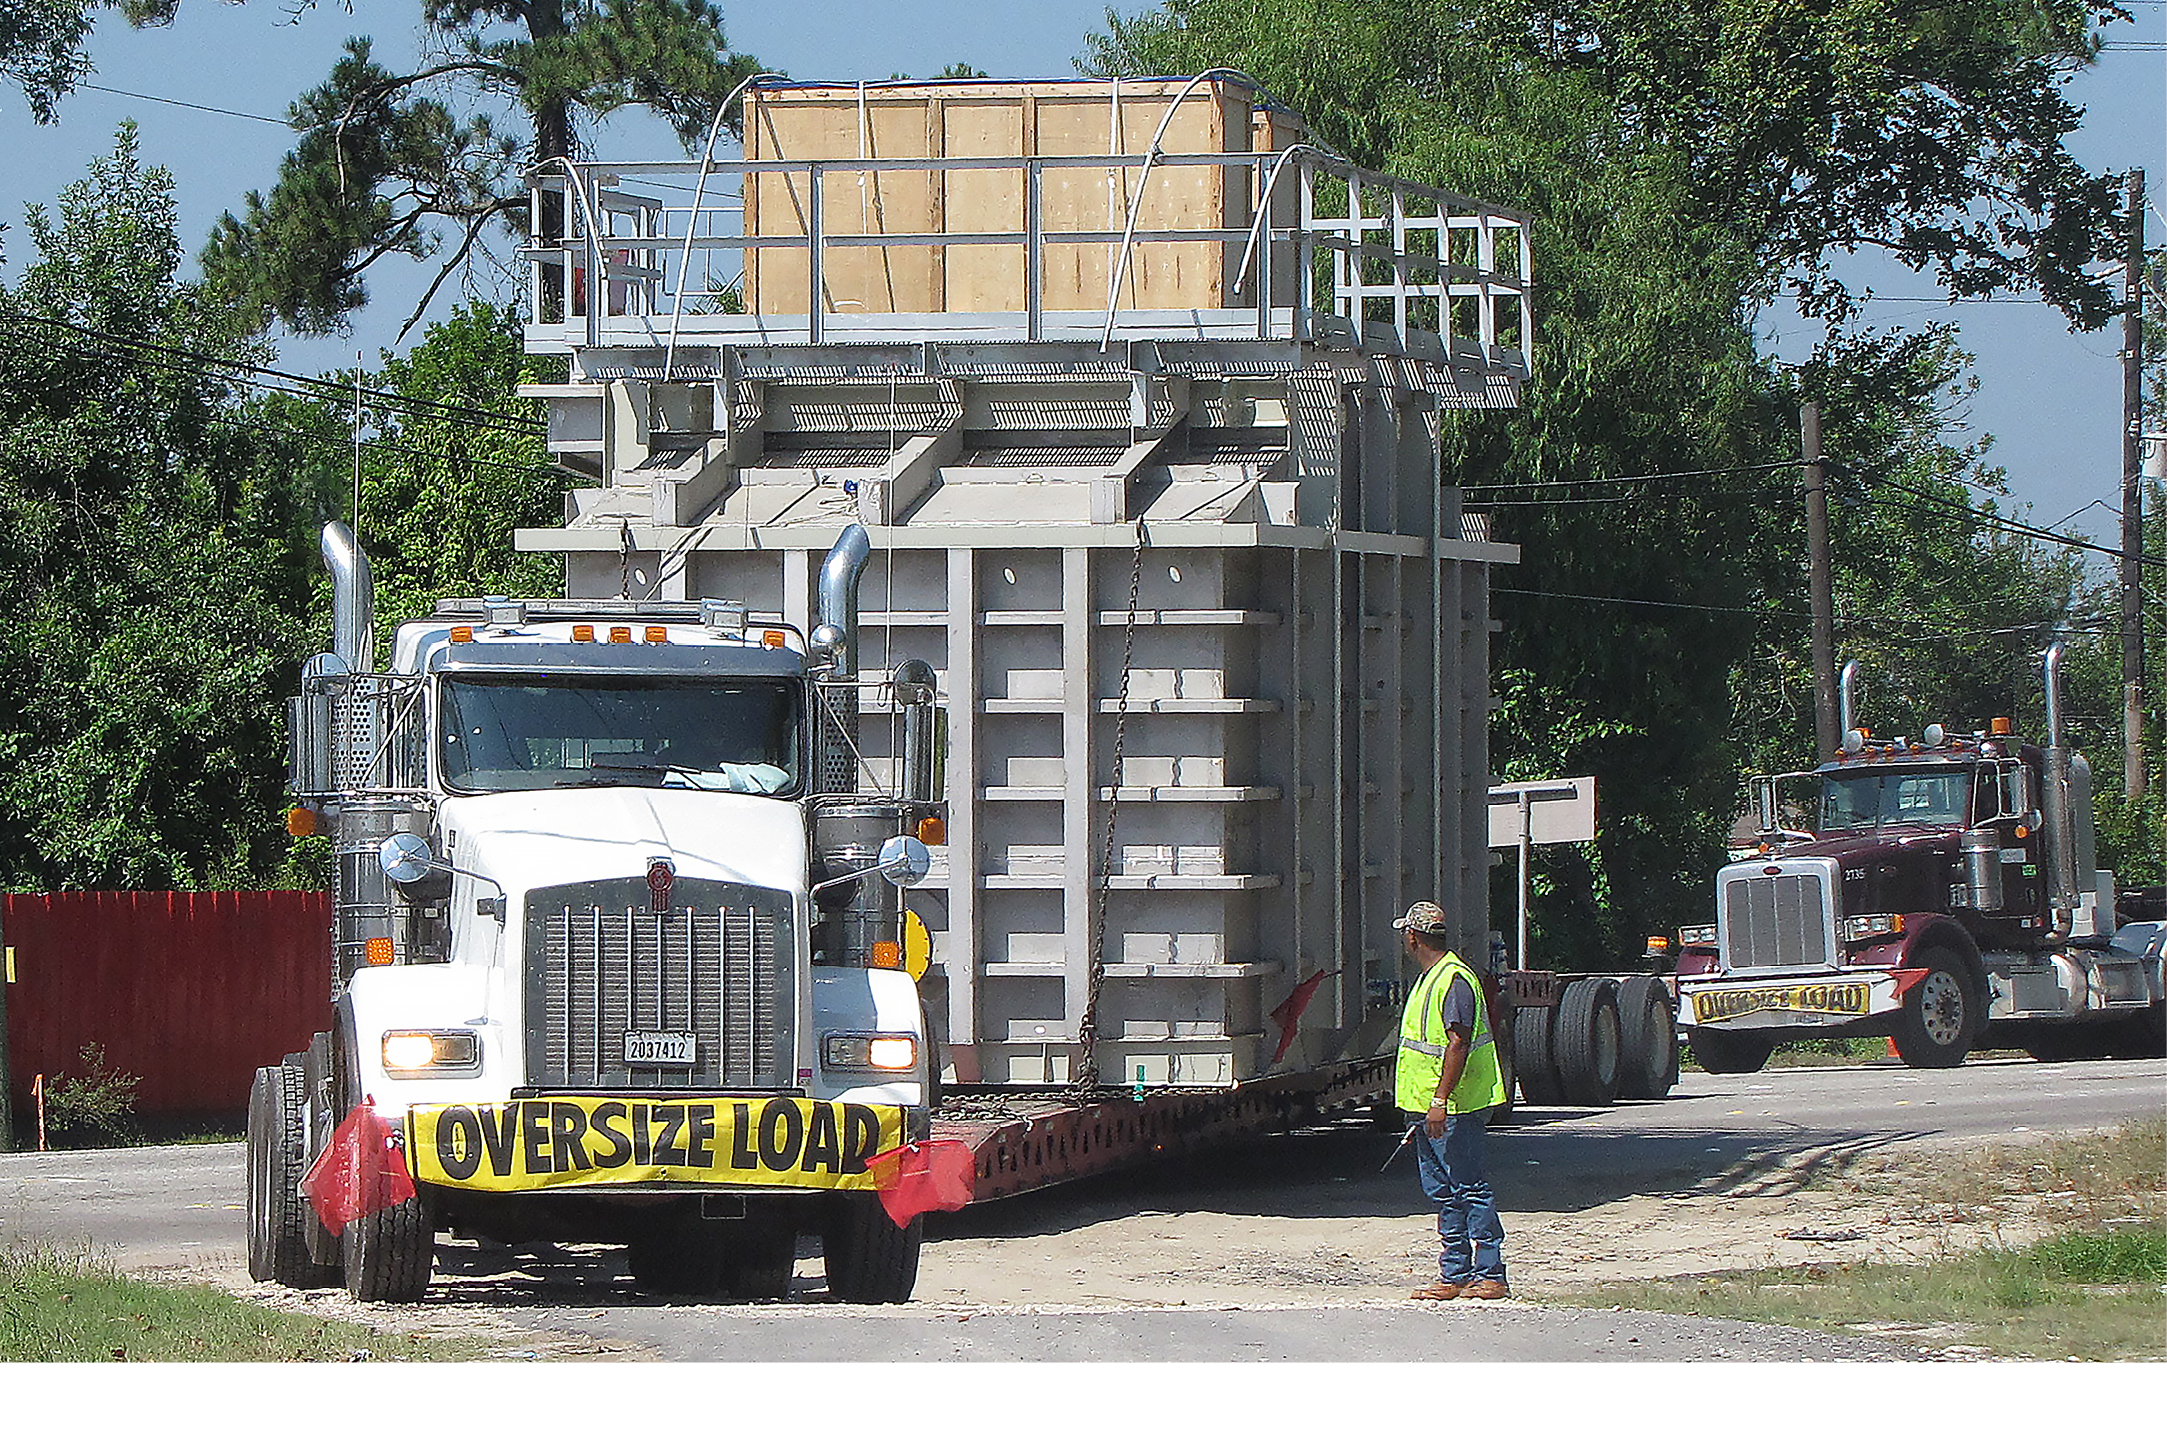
point(500, 419)
point(1646, 476)
point(2020, 528)
point(183, 104)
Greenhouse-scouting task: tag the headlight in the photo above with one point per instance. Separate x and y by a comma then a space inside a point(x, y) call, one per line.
point(1858, 928)
point(869, 1052)
point(1697, 935)
point(414, 1053)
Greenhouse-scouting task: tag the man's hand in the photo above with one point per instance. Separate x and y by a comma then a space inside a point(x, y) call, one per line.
point(1433, 1121)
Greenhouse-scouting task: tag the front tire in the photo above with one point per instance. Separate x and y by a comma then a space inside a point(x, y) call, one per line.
point(1730, 1053)
point(868, 1257)
point(278, 1216)
point(388, 1254)
point(1941, 1014)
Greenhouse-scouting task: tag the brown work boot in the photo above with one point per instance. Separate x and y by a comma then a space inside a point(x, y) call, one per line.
point(1489, 1289)
point(1436, 1292)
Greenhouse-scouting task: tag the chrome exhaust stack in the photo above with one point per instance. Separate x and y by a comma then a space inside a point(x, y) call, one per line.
point(2060, 824)
point(353, 598)
point(1846, 688)
point(835, 640)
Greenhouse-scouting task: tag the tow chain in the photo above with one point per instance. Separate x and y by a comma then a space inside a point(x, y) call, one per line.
point(1087, 1028)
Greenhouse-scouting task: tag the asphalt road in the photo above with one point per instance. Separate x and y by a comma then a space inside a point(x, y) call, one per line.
point(179, 1208)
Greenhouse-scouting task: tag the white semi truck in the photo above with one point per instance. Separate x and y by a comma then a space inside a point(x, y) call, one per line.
point(619, 947)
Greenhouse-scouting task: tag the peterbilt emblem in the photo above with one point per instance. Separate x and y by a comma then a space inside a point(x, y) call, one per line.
point(661, 876)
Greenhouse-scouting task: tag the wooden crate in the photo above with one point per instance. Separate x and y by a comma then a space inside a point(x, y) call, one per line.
point(1004, 119)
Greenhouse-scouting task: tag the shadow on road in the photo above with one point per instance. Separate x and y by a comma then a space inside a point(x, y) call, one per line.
point(1542, 1165)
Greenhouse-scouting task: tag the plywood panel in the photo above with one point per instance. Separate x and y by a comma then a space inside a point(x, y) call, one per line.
point(1074, 118)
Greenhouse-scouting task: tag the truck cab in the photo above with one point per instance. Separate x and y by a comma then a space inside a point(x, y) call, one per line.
point(615, 959)
point(1924, 890)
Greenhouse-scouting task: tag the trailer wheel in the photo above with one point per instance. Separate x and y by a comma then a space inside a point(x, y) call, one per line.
point(758, 1263)
point(1508, 1064)
point(1647, 1040)
point(278, 1216)
point(1940, 1017)
point(1586, 1042)
point(1533, 1060)
point(868, 1257)
point(1729, 1053)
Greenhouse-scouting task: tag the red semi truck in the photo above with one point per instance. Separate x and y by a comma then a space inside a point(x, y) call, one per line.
point(1943, 894)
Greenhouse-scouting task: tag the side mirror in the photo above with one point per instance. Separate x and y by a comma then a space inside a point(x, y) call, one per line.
point(406, 858)
point(904, 860)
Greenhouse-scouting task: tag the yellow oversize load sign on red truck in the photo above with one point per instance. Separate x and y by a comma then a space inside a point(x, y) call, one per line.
point(536, 1142)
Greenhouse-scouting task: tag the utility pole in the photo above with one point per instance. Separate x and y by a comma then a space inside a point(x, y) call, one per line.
point(1819, 584)
point(2133, 496)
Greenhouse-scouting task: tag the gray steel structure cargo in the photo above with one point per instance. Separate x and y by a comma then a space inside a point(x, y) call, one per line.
point(1188, 572)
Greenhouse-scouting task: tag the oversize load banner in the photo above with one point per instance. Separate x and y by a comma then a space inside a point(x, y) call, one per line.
point(1821, 998)
point(538, 1142)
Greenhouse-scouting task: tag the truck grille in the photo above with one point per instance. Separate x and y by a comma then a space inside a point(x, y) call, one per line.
point(715, 968)
point(1778, 923)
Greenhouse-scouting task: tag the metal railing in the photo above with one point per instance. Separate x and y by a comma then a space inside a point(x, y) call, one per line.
point(1309, 248)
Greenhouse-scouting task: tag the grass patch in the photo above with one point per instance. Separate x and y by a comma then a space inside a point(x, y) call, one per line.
point(56, 1307)
point(2094, 1288)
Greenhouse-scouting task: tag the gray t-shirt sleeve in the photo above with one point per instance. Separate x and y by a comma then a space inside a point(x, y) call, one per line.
point(1459, 1006)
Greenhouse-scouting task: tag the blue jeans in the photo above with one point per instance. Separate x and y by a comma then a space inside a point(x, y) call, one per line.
point(1453, 1177)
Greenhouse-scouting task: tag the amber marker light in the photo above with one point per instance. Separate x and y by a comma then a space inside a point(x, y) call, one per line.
point(887, 956)
point(376, 951)
point(2001, 726)
point(460, 635)
point(658, 635)
point(583, 632)
point(933, 831)
point(620, 635)
point(774, 638)
point(300, 822)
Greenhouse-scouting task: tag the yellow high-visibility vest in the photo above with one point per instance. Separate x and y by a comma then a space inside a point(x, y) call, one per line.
point(1422, 1046)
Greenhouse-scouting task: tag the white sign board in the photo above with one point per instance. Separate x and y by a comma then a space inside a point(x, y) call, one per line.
point(1556, 811)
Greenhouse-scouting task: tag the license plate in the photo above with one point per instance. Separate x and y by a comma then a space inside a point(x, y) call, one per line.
point(1842, 998)
point(660, 1048)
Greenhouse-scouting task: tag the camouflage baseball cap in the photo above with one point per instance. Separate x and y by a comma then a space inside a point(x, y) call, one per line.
point(1426, 917)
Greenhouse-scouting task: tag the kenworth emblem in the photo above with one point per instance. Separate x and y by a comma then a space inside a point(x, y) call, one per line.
point(661, 876)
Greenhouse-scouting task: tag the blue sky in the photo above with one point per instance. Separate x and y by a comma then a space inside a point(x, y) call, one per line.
point(2051, 400)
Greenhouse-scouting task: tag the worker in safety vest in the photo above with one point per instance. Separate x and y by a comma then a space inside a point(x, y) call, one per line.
point(1448, 1076)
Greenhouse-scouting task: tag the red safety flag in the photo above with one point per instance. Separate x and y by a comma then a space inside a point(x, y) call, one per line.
point(361, 1173)
point(934, 1176)
point(1289, 1012)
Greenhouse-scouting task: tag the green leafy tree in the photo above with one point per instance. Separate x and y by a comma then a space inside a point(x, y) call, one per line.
point(383, 168)
point(1650, 476)
point(41, 49)
point(449, 480)
point(154, 549)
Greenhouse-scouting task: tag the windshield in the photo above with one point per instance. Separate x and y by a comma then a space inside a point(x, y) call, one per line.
point(523, 734)
point(1940, 797)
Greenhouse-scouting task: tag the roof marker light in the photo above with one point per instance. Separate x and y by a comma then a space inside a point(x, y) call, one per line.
point(461, 635)
point(658, 635)
point(2001, 726)
point(621, 635)
point(583, 632)
point(774, 638)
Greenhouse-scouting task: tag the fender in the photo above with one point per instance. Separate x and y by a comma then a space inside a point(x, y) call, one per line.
point(1922, 931)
